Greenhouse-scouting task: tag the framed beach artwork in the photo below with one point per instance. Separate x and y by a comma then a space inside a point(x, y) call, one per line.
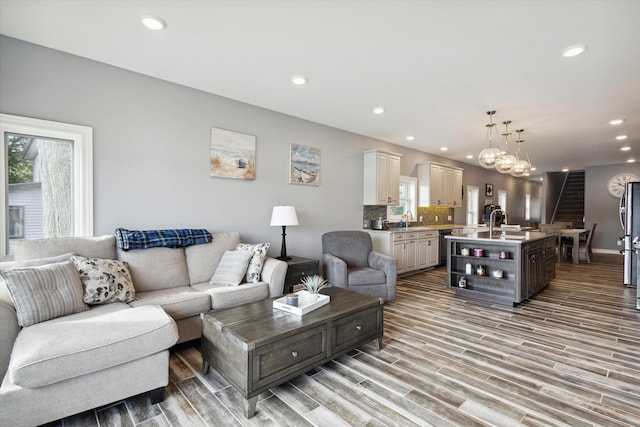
point(233, 154)
point(304, 165)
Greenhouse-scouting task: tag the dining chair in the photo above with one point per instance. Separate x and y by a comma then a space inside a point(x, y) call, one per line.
point(583, 248)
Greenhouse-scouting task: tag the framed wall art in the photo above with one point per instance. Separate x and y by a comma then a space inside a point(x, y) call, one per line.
point(304, 165)
point(233, 154)
point(488, 190)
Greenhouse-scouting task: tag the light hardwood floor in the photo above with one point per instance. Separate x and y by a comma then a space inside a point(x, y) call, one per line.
point(570, 356)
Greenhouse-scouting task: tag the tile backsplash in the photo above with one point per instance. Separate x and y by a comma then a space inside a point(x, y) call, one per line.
point(434, 215)
point(431, 215)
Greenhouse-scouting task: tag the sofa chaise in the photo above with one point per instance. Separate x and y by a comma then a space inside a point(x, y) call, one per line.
point(107, 352)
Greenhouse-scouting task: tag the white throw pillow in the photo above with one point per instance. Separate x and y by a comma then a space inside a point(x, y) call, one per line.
point(105, 280)
point(45, 292)
point(259, 251)
point(231, 269)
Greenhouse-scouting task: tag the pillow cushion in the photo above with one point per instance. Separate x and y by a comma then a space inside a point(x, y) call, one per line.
point(45, 292)
point(105, 280)
point(4, 291)
point(259, 252)
point(231, 269)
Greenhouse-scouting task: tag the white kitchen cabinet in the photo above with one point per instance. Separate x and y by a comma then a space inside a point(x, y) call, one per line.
point(413, 250)
point(404, 250)
point(381, 178)
point(439, 185)
point(428, 249)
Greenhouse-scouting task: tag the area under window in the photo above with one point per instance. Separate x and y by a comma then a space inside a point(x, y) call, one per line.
point(48, 190)
point(408, 201)
point(502, 200)
point(472, 204)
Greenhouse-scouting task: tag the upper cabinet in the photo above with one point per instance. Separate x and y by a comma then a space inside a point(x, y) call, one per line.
point(439, 185)
point(381, 178)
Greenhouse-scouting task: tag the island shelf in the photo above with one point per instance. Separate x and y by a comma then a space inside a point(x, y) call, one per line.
point(524, 267)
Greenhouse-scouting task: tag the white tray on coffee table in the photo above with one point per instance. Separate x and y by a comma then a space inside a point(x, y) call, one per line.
point(306, 303)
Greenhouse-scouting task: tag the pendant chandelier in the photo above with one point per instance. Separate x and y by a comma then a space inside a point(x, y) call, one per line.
point(488, 156)
point(506, 161)
point(521, 166)
point(499, 158)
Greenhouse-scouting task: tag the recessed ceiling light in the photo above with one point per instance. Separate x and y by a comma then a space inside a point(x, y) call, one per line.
point(378, 110)
point(154, 22)
point(631, 161)
point(621, 137)
point(443, 148)
point(625, 148)
point(574, 50)
point(616, 121)
point(533, 168)
point(469, 156)
point(527, 174)
point(541, 179)
point(410, 138)
point(298, 79)
point(565, 170)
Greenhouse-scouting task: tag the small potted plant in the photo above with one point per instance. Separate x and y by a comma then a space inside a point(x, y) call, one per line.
point(313, 285)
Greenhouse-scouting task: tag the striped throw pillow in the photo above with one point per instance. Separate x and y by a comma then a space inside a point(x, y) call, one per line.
point(45, 292)
point(231, 269)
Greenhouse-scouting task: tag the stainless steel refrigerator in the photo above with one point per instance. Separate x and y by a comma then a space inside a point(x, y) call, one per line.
point(630, 221)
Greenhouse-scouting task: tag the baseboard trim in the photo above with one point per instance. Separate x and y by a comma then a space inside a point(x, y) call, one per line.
point(606, 251)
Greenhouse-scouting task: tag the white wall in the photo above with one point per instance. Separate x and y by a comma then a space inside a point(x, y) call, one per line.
point(151, 152)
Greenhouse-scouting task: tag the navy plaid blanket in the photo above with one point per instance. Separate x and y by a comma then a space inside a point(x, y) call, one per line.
point(177, 238)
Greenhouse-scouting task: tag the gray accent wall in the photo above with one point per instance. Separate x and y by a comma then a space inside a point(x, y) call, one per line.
point(601, 208)
point(151, 153)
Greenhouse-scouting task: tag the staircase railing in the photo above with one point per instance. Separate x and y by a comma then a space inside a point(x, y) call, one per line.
point(555, 209)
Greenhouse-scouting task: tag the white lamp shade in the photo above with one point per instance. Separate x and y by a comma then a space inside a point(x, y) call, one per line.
point(284, 215)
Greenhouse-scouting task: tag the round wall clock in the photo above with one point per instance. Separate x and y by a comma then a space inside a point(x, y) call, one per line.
point(615, 184)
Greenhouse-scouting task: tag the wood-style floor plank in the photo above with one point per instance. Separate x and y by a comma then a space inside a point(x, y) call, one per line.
point(568, 357)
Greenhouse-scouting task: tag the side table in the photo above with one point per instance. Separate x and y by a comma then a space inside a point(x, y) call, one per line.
point(298, 268)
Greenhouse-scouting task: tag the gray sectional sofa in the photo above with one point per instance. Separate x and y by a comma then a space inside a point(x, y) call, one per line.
point(108, 352)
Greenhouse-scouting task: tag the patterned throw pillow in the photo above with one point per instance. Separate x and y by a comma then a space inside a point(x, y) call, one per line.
point(231, 268)
point(105, 280)
point(45, 292)
point(259, 251)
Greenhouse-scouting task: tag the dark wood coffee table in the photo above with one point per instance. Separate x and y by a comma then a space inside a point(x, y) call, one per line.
point(256, 347)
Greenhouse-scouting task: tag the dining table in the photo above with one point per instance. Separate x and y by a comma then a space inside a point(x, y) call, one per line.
point(574, 233)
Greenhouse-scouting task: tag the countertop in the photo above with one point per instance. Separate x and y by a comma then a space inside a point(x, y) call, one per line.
point(512, 236)
point(419, 228)
point(446, 227)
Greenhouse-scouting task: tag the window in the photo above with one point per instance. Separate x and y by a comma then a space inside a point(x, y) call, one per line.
point(48, 190)
point(472, 204)
point(408, 200)
point(527, 207)
point(502, 200)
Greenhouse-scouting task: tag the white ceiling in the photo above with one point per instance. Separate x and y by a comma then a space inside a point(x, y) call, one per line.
point(435, 66)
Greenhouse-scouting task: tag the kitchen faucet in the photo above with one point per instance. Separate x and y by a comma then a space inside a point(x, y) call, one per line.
point(409, 216)
point(492, 219)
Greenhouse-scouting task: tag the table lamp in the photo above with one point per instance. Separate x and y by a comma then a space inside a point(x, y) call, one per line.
point(283, 216)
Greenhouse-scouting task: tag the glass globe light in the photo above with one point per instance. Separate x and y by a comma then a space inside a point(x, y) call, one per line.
point(520, 168)
point(505, 163)
point(487, 157)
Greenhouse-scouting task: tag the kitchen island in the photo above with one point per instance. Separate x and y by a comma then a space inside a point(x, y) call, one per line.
point(507, 268)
